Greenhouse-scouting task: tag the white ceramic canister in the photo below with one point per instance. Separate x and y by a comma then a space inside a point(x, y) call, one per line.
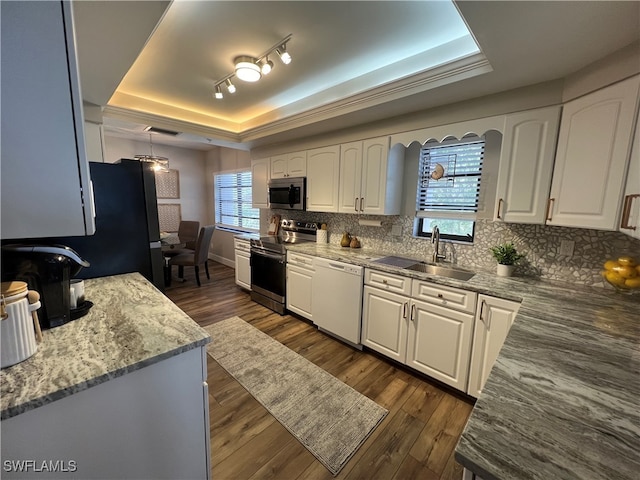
point(17, 334)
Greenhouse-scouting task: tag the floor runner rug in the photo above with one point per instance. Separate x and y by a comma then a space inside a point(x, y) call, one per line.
point(331, 419)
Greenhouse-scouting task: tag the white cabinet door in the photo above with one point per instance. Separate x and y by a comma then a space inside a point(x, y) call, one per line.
point(289, 165)
point(45, 189)
point(297, 164)
point(439, 343)
point(323, 174)
point(630, 223)
point(593, 150)
point(243, 266)
point(278, 166)
point(526, 165)
point(493, 321)
point(243, 269)
point(260, 183)
point(299, 290)
point(350, 177)
point(384, 322)
point(374, 175)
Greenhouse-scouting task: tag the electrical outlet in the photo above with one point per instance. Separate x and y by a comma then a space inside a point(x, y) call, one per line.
point(566, 248)
point(396, 230)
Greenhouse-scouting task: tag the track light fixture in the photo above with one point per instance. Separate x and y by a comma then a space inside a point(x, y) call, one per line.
point(251, 69)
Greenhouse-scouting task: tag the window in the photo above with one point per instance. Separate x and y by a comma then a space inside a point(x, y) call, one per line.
point(233, 201)
point(448, 189)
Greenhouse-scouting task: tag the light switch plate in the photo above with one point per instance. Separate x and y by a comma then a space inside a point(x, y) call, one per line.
point(566, 248)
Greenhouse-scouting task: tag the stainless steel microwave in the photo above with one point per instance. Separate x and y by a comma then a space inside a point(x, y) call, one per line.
point(288, 193)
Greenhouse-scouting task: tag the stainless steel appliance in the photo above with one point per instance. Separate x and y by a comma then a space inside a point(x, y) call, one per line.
point(127, 237)
point(288, 193)
point(268, 262)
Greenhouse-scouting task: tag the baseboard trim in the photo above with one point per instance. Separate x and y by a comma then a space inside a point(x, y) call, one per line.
point(223, 260)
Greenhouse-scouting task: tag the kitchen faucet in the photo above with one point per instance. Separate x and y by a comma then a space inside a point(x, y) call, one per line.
point(435, 238)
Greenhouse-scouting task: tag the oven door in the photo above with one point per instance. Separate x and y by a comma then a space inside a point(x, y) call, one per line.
point(268, 274)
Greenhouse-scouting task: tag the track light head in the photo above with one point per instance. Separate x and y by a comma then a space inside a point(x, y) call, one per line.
point(230, 86)
point(284, 55)
point(218, 93)
point(267, 66)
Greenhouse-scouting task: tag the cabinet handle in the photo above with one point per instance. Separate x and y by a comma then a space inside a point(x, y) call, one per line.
point(355, 203)
point(404, 310)
point(488, 319)
point(549, 203)
point(384, 281)
point(362, 204)
point(626, 212)
point(500, 202)
point(413, 311)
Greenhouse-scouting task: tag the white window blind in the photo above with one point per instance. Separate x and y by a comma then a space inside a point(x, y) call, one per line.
point(449, 180)
point(233, 200)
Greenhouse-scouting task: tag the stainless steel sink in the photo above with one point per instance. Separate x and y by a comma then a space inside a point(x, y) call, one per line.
point(456, 273)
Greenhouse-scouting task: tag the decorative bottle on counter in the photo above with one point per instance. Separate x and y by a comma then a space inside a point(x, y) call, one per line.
point(346, 240)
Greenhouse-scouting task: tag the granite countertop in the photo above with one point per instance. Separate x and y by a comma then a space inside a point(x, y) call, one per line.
point(563, 399)
point(131, 325)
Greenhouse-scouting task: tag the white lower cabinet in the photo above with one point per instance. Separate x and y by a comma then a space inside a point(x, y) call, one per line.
point(494, 318)
point(421, 324)
point(299, 284)
point(384, 322)
point(439, 343)
point(243, 263)
point(150, 423)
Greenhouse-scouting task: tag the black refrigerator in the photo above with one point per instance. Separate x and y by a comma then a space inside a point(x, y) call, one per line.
point(127, 237)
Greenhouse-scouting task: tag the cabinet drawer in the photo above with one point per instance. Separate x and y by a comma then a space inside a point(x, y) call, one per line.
point(241, 244)
point(300, 259)
point(445, 296)
point(387, 281)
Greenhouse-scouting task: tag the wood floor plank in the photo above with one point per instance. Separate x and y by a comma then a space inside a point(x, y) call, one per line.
point(415, 441)
point(250, 457)
point(383, 459)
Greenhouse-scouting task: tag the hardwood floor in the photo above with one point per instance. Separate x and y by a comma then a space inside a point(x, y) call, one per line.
point(415, 441)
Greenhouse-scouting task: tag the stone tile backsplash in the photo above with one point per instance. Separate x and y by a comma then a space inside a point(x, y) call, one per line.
point(540, 244)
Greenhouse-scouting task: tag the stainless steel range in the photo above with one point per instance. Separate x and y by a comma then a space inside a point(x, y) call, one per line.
point(268, 262)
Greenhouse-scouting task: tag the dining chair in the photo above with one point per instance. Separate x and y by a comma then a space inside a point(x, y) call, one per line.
point(188, 235)
point(198, 257)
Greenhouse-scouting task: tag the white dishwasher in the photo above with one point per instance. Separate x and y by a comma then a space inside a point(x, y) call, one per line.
point(337, 299)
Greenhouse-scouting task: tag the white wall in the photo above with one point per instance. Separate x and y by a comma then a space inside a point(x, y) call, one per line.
point(191, 165)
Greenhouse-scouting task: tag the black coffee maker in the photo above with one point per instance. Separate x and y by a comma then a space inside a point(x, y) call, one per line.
point(48, 270)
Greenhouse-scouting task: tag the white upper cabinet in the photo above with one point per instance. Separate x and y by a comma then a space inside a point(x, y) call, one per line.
point(260, 183)
point(370, 178)
point(289, 165)
point(630, 223)
point(350, 177)
point(591, 162)
point(526, 165)
point(46, 189)
point(323, 173)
